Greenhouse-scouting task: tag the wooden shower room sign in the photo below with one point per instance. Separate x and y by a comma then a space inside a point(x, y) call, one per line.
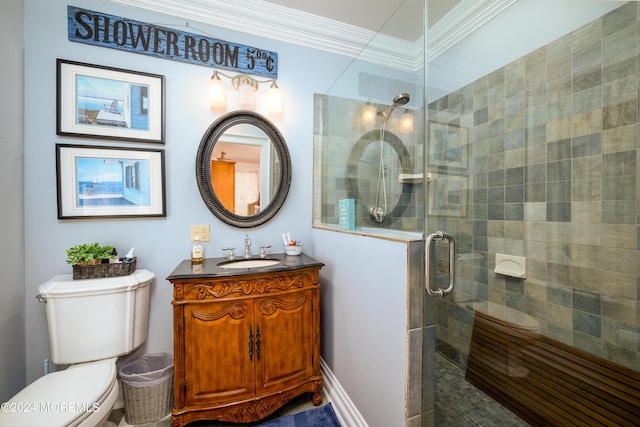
point(99, 29)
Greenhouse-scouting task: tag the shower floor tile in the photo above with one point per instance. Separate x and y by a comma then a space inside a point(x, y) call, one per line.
point(458, 403)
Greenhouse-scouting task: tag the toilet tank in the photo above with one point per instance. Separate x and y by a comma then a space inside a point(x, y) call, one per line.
point(94, 319)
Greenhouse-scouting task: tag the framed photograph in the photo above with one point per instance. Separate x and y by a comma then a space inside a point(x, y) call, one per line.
point(98, 182)
point(448, 145)
point(110, 103)
point(448, 195)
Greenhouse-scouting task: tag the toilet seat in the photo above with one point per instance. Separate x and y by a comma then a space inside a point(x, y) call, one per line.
point(82, 395)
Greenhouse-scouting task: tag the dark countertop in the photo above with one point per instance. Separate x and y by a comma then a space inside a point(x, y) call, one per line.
point(209, 268)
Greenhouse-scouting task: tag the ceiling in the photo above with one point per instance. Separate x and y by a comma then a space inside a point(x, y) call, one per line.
point(372, 14)
point(343, 27)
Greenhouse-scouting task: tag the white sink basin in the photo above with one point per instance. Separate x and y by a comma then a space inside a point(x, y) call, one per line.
point(249, 263)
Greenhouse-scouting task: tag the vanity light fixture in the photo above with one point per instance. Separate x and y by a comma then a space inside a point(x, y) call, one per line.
point(246, 87)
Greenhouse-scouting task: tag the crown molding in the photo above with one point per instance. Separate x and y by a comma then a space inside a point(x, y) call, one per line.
point(393, 52)
point(461, 21)
point(265, 19)
point(289, 25)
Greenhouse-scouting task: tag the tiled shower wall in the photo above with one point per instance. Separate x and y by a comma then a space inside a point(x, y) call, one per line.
point(553, 176)
point(339, 138)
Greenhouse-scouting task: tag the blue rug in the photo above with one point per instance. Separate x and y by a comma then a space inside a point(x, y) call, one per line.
point(322, 416)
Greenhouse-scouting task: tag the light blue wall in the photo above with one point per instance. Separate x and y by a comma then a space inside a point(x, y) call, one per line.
point(12, 317)
point(163, 242)
point(364, 321)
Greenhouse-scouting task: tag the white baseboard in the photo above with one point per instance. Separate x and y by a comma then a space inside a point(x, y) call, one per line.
point(346, 411)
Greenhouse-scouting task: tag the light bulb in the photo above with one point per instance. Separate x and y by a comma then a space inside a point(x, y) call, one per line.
point(274, 98)
point(217, 96)
point(246, 97)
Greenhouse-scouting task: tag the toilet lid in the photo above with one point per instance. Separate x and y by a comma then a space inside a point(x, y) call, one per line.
point(61, 397)
point(64, 286)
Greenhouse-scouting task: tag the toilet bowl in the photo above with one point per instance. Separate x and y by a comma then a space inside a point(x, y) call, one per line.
point(90, 323)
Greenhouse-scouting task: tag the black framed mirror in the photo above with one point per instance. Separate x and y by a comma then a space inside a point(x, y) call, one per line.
point(243, 169)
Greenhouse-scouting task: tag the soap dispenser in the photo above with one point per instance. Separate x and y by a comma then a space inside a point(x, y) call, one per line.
point(197, 251)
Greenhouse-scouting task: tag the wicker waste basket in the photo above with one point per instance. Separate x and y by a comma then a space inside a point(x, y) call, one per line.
point(147, 388)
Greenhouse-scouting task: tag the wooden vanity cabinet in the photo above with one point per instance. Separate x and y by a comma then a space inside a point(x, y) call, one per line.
point(245, 345)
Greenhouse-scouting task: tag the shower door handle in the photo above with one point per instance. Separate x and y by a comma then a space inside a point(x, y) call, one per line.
point(440, 235)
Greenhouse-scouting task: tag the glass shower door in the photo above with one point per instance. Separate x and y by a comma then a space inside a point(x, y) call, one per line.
point(532, 151)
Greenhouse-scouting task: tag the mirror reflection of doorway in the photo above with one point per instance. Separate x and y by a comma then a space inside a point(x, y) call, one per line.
point(223, 179)
point(241, 172)
point(236, 170)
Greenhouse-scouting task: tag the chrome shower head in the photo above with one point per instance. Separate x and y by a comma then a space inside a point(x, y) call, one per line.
point(399, 99)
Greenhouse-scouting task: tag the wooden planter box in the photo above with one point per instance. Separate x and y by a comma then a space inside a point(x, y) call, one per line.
point(96, 271)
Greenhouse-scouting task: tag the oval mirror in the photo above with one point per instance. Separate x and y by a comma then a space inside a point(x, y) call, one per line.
point(243, 169)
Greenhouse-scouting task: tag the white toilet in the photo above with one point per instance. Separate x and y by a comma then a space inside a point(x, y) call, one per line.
point(91, 322)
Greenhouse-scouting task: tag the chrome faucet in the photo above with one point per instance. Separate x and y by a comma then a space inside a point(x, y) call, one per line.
point(247, 247)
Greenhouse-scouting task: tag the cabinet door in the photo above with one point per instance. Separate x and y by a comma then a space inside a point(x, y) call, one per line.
point(223, 180)
point(285, 325)
point(218, 364)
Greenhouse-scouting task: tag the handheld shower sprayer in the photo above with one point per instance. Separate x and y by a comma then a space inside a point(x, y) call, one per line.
point(398, 100)
point(378, 213)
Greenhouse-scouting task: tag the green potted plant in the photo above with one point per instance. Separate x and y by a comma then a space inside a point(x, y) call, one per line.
point(93, 261)
point(89, 254)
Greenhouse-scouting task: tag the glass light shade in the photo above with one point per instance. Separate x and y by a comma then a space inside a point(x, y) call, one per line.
point(217, 96)
point(246, 97)
point(274, 99)
point(368, 115)
point(406, 121)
